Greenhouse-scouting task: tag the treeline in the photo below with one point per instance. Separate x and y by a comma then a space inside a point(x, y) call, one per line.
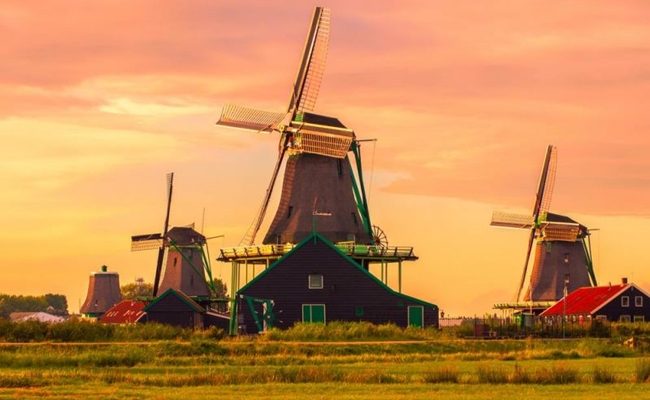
point(55, 304)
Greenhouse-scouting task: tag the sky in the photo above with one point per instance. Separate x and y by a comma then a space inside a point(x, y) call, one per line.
point(100, 100)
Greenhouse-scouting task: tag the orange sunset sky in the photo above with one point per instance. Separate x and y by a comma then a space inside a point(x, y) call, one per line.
point(100, 99)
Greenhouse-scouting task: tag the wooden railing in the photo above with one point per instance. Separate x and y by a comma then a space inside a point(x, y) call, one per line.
point(350, 249)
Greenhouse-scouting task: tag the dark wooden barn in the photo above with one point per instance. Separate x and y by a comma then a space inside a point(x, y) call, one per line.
point(625, 303)
point(316, 282)
point(174, 308)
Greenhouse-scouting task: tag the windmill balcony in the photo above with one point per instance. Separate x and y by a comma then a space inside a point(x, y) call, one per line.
point(260, 254)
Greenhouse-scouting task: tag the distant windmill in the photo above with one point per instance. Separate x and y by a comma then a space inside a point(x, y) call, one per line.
point(155, 240)
point(563, 250)
point(318, 165)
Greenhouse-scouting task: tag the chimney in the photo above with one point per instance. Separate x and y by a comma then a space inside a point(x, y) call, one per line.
point(624, 281)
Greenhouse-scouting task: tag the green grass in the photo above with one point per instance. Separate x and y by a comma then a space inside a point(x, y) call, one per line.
point(359, 362)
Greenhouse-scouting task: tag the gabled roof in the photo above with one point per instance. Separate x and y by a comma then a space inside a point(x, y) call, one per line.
point(588, 300)
point(182, 296)
point(317, 237)
point(35, 316)
point(124, 312)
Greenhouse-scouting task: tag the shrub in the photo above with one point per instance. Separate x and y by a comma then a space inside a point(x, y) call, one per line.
point(492, 375)
point(557, 374)
point(520, 375)
point(603, 375)
point(642, 370)
point(444, 374)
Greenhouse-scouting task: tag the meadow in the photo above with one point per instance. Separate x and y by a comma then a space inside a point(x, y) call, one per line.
point(340, 360)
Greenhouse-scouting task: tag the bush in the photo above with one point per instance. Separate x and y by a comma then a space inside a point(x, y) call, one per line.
point(603, 375)
point(642, 370)
point(492, 375)
point(444, 374)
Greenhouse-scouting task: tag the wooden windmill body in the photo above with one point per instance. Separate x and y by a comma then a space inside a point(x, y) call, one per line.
point(183, 248)
point(562, 261)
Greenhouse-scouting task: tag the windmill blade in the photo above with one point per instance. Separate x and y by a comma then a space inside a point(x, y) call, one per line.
point(236, 116)
point(537, 272)
point(557, 231)
point(312, 64)
point(531, 239)
point(146, 242)
point(161, 249)
point(507, 220)
point(249, 237)
point(546, 183)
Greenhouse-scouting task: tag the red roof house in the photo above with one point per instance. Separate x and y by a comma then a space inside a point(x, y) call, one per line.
point(625, 302)
point(124, 312)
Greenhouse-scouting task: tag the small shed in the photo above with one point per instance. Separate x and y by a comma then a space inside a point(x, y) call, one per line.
point(174, 308)
point(317, 282)
point(625, 302)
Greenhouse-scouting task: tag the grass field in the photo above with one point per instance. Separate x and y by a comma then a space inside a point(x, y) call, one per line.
point(264, 369)
point(336, 361)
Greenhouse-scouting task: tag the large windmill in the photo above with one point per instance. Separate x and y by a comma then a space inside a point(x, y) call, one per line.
point(562, 250)
point(318, 170)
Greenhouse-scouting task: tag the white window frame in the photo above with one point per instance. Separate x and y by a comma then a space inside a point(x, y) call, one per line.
point(625, 301)
point(639, 318)
point(625, 318)
point(313, 284)
point(638, 301)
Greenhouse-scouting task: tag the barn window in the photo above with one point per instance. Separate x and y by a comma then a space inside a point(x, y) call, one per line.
point(354, 218)
point(315, 281)
point(639, 318)
point(289, 212)
point(175, 260)
point(625, 301)
point(638, 301)
point(358, 311)
point(625, 318)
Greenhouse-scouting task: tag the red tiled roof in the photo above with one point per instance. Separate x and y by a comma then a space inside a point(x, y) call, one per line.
point(586, 300)
point(124, 312)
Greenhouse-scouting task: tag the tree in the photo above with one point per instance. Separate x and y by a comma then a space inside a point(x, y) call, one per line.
point(221, 288)
point(137, 289)
point(58, 302)
point(221, 293)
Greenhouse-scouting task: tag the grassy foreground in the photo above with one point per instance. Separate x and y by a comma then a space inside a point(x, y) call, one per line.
point(358, 362)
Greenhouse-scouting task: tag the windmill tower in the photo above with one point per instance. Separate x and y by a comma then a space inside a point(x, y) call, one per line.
point(103, 293)
point(318, 168)
point(562, 246)
point(186, 262)
point(155, 240)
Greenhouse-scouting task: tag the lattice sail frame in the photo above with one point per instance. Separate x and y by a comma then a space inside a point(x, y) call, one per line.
point(317, 56)
point(146, 242)
point(236, 116)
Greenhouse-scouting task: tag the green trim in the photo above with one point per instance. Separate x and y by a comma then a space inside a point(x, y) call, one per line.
point(360, 197)
point(314, 237)
point(590, 263)
point(184, 257)
point(179, 295)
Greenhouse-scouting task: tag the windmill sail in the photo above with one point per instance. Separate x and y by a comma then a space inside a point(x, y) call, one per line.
point(507, 220)
point(312, 65)
point(236, 116)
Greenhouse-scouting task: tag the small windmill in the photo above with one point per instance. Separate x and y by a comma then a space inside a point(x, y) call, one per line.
point(156, 240)
point(563, 250)
point(318, 165)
